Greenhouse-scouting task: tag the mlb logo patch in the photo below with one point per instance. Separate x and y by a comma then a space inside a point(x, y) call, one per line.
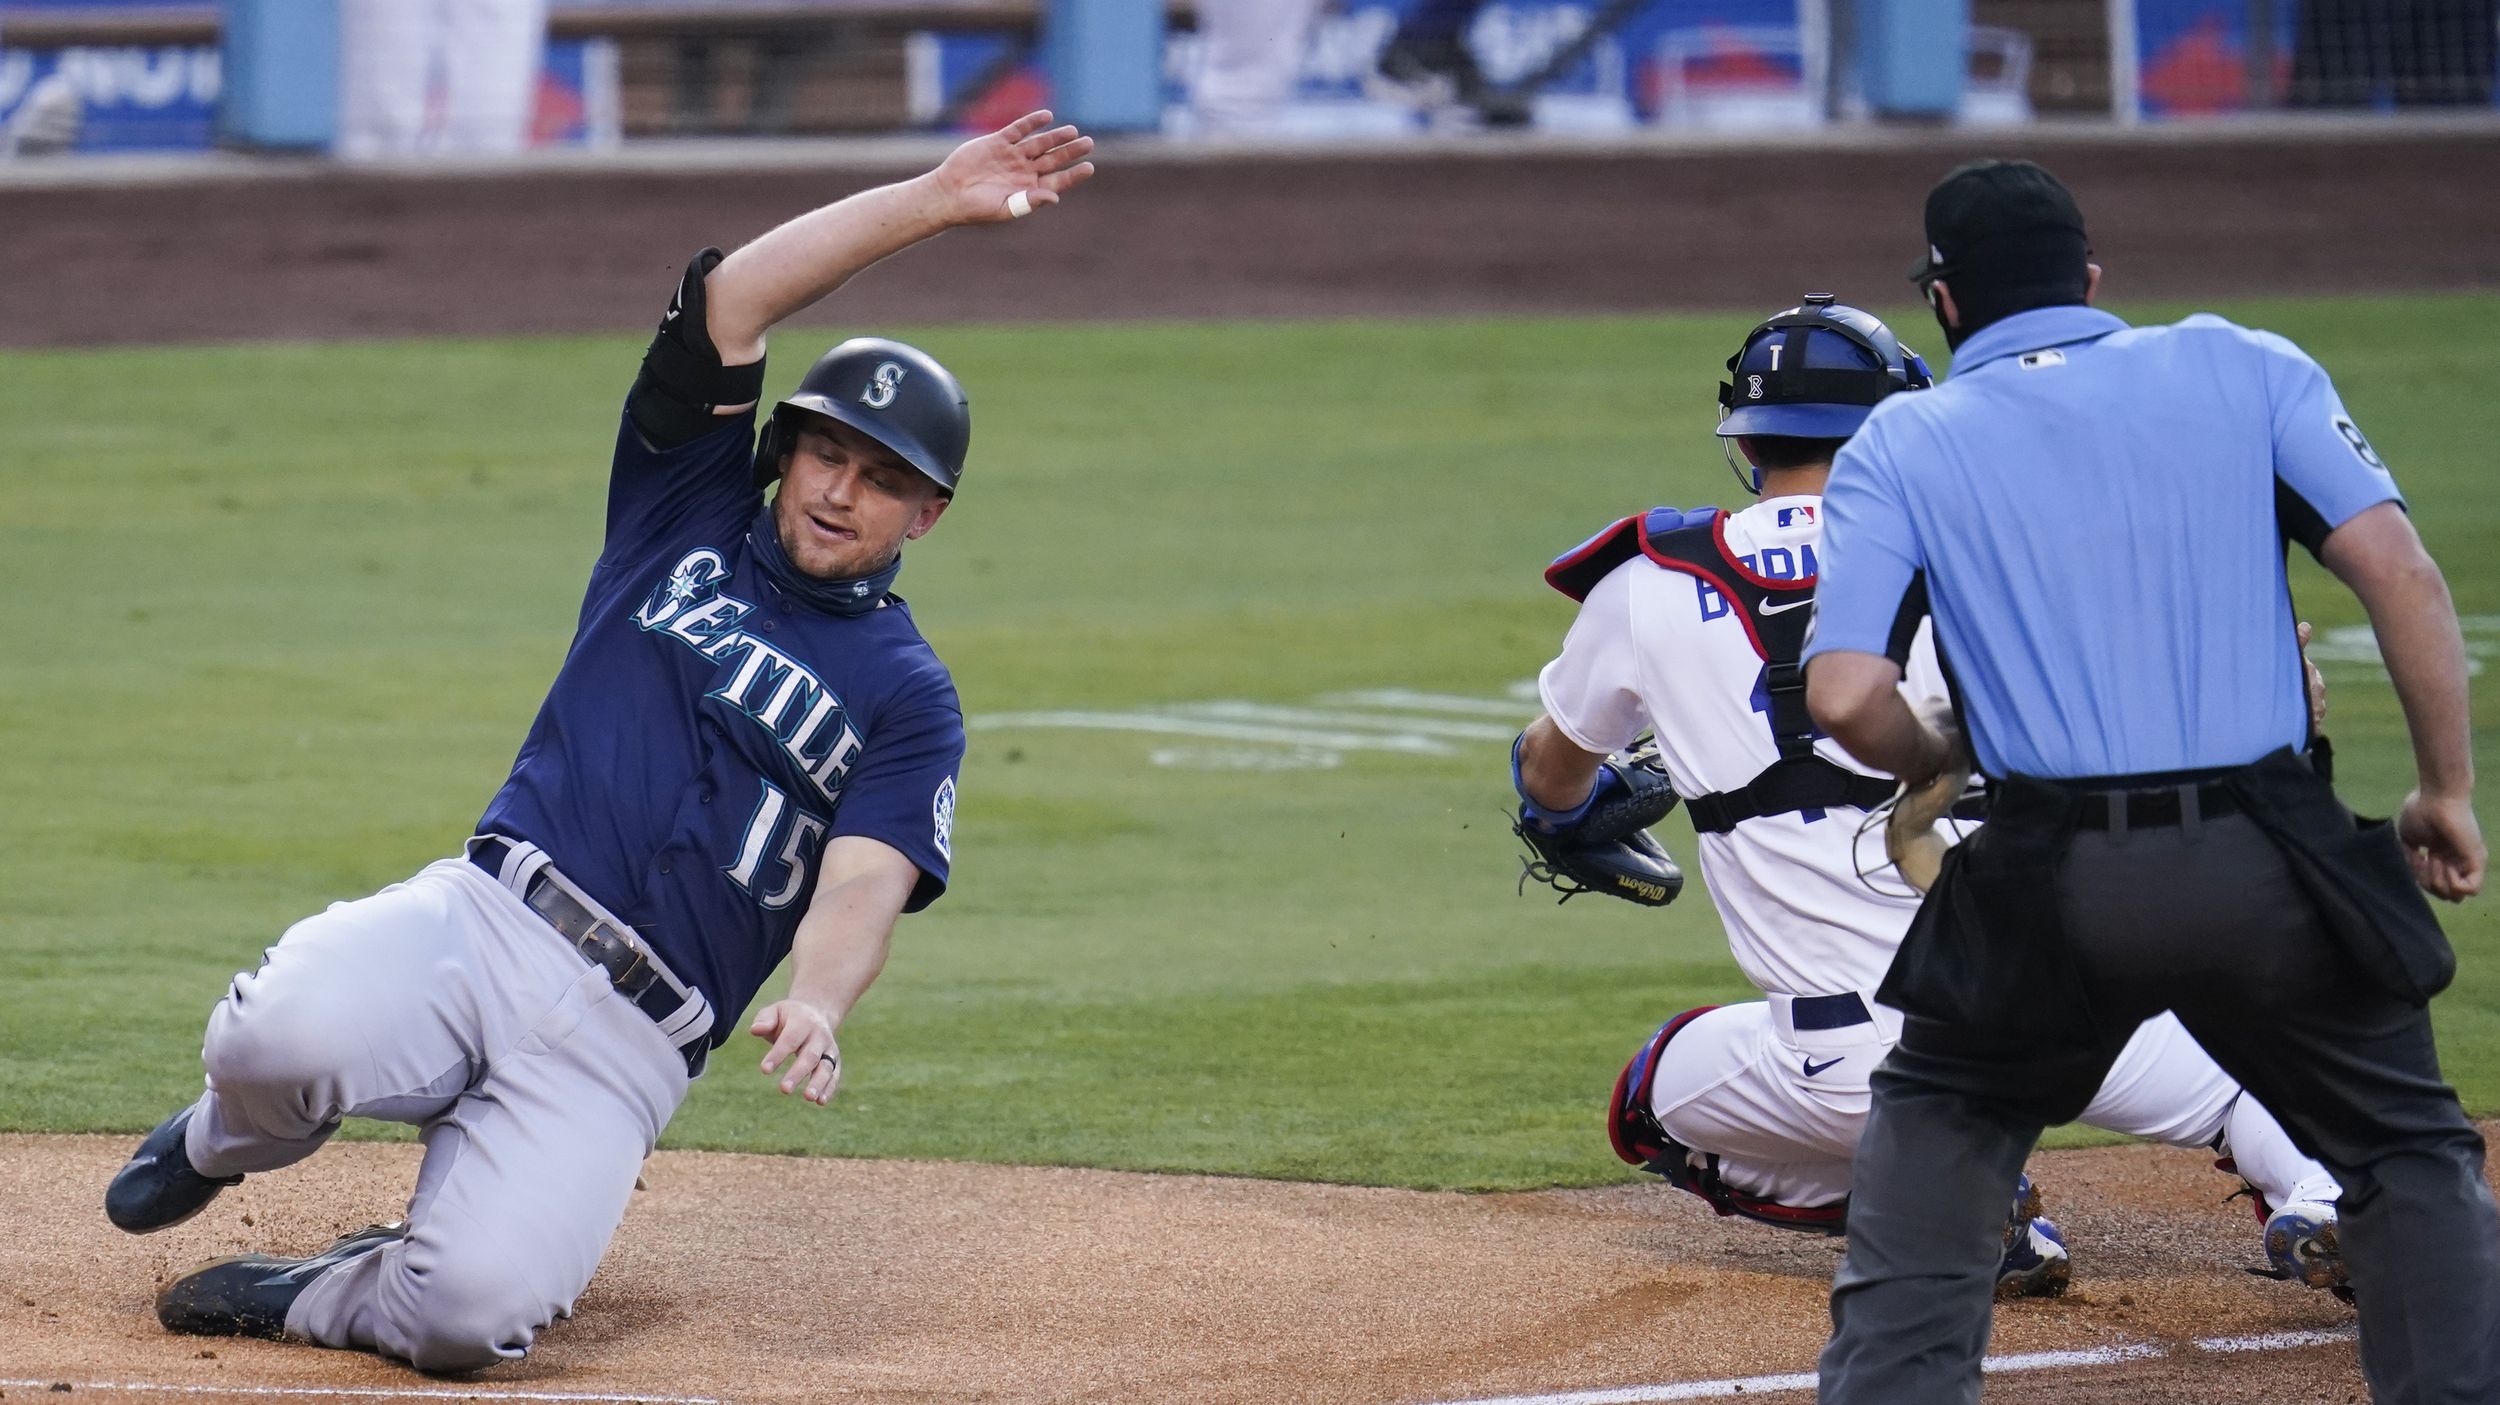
point(1796, 516)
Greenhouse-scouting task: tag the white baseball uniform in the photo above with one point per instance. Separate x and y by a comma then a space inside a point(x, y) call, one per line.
point(1782, 1105)
point(438, 77)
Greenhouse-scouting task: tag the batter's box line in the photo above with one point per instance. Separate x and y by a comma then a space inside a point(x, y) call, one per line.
point(1994, 1365)
point(322, 1392)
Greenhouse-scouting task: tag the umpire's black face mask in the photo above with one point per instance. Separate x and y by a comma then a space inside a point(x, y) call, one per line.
point(2003, 237)
point(2060, 277)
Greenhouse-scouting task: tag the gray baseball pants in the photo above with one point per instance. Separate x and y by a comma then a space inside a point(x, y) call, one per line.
point(444, 1003)
point(2212, 925)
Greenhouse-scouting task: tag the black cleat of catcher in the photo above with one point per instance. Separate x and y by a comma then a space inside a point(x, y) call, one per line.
point(157, 1186)
point(248, 1295)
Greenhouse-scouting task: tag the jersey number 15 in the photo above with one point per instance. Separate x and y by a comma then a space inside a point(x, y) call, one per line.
point(800, 836)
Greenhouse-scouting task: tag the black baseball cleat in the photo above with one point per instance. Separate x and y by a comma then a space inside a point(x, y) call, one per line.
point(248, 1295)
point(157, 1186)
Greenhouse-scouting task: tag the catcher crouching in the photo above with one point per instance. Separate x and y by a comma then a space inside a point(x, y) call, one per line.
point(1691, 626)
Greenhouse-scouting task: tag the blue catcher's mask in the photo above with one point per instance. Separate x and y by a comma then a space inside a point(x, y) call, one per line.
point(1815, 371)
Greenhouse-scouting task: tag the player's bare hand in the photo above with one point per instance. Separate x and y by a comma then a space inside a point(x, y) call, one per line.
point(801, 1033)
point(1021, 167)
point(2317, 682)
point(2444, 843)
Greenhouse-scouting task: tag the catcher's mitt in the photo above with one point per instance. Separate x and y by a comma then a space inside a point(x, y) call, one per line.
point(1910, 836)
point(1608, 849)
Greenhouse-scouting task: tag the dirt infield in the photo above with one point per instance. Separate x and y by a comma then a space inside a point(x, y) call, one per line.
point(772, 1279)
point(1518, 230)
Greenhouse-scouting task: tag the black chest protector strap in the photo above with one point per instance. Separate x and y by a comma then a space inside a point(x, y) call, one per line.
point(1774, 614)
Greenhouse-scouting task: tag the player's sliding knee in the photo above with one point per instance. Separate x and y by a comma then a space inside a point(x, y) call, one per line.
point(459, 1347)
point(263, 1040)
point(469, 1320)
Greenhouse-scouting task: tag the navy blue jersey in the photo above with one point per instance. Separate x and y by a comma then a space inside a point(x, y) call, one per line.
point(709, 734)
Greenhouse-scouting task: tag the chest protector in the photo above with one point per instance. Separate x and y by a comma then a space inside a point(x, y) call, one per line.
point(1775, 614)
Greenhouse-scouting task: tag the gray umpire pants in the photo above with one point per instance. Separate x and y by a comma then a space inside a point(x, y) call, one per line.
point(2207, 921)
point(445, 1003)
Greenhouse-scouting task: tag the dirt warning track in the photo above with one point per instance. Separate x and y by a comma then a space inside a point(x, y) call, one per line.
point(1530, 229)
point(777, 1279)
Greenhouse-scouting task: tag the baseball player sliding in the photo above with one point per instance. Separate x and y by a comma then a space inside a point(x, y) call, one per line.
point(1691, 624)
point(750, 753)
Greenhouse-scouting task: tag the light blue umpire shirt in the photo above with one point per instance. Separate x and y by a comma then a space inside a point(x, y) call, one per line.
point(2095, 515)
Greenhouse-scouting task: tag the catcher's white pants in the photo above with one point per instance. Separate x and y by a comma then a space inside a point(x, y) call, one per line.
point(484, 54)
point(1734, 1082)
point(445, 1003)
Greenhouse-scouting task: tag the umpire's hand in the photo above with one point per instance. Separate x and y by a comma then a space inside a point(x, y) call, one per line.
point(2445, 844)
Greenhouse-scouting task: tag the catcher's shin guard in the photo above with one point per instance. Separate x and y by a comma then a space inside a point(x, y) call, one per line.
point(1641, 1141)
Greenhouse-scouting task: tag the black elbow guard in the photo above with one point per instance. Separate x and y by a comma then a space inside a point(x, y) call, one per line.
point(682, 379)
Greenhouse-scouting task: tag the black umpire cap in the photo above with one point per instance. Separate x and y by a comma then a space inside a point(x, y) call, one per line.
point(2007, 234)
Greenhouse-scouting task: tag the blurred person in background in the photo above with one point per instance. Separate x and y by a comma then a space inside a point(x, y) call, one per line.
point(1250, 57)
point(438, 77)
point(1429, 59)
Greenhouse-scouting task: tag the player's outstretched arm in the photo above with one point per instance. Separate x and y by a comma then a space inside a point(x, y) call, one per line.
point(1028, 162)
point(840, 947)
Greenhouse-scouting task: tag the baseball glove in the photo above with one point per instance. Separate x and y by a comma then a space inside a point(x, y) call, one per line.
point(1910, 838)
point(1609, 849)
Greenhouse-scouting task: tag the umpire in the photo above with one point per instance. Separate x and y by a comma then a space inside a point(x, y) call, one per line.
point(2097, 517)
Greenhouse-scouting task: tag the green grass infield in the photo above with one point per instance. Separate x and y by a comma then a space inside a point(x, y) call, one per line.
point(282, 613)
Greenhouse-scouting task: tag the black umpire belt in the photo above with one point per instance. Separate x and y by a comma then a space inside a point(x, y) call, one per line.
point(2118, 803)
point(683, 1015)
point(2165, 808)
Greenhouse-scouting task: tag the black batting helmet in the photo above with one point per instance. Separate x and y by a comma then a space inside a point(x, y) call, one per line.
point(895, 394)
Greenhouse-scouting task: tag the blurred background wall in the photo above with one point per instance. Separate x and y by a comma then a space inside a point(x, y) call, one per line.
point(414, 78)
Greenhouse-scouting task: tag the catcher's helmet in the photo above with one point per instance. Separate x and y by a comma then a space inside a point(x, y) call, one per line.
point(1814, 372)
point(895, 394)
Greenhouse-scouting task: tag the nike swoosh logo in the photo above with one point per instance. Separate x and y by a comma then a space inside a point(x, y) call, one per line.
point(1768, 608)
point(1813, 1068)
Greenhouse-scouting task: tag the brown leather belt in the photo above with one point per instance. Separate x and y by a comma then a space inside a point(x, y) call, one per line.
point(601, 943)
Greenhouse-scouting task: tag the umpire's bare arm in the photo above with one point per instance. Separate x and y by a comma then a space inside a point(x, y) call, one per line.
point(2380, 557)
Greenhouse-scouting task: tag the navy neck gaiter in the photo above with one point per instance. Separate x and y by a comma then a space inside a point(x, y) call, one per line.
point(855, 596)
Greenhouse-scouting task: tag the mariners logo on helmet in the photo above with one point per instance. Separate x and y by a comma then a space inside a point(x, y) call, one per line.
point(895, 394)
point(882, 386)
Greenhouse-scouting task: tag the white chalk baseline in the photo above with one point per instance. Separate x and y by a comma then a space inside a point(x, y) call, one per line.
point(1750, 1386)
